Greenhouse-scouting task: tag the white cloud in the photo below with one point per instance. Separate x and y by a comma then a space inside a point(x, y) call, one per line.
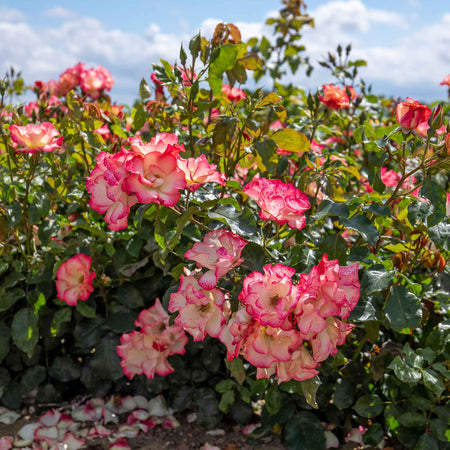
point(61, 13)
point(416, 59)
point(10, 15)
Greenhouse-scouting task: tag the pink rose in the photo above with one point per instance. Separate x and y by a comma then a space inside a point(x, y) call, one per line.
point(446, 81)
point(33, 138)
point(94, 81)
point(270, 297)
point(334, 97)
point(199, 171)
point(106, 186)
point(70, 79)
point(155, 178)
point(146, 351)
point(279, 201)
point(74, 279)
point(159, 143)
point(233, 94)
point(219, 252)
point(200, 311)
point(411, 114)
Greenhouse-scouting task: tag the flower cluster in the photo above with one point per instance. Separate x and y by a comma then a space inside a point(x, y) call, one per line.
point(146, 351)
point(279, 201)
point(34, 138)
point(147, 172)
point(202, 307)
point(279, 321)
point(93, 82)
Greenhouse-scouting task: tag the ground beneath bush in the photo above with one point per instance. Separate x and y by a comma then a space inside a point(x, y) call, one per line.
point(184, 436)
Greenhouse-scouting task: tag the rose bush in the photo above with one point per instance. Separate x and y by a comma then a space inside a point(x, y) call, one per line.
point(298, 243)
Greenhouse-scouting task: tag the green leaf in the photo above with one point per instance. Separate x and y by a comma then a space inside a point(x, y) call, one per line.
point(373, 435)
point(61, 316)
point(304, 432)
point(32, 378)
point(139, 117)
point(273, 400)
point(426, 442)
point(360, 135)
point(118, 131)
point(8, 297)
point(226, 401)
point(334, 247)
point(225, 385)
point(121, 322)
point(222, 59)
point(5, 337)
point(433, 382)
point(237, 370)
point(267, 151)
point(330, 208)
point(402, 310)
point(404, 372)
point(64, 368)
point(344, 393)
point(440, 234)
point(418, 211)
point(88, 332)
point(412, 419)
point(291, 140)
point(130, 296)
point(369, 405)
point(309, 388)
point(376, 279)
point(242, 222)
point(106, 361)
point(24, 330)
point(364, 227)
point(436, 194)
point(86, 310)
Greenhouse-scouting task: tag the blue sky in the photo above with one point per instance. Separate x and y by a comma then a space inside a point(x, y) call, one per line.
point(406, 42)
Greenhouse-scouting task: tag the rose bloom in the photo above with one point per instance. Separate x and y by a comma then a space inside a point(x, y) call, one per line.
point(334, 97)
point(233, 94)
point(70, 79)
point(155, 178)
point(199, 171)
point(411, 114)
point(74, 279)
point(94, 81)
point(159, 143)
point(446, 81)
point(219, 252)
point(106, 186)
point(270, 297)
point(279, 201)
point(146, 351)
point(33, 138)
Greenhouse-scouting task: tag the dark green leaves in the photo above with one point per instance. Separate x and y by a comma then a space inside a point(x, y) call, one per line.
point(369, 405)
point(24, 330)
point(403, 310)
point(363, 226)
point(304, 432)
point(222, 59)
